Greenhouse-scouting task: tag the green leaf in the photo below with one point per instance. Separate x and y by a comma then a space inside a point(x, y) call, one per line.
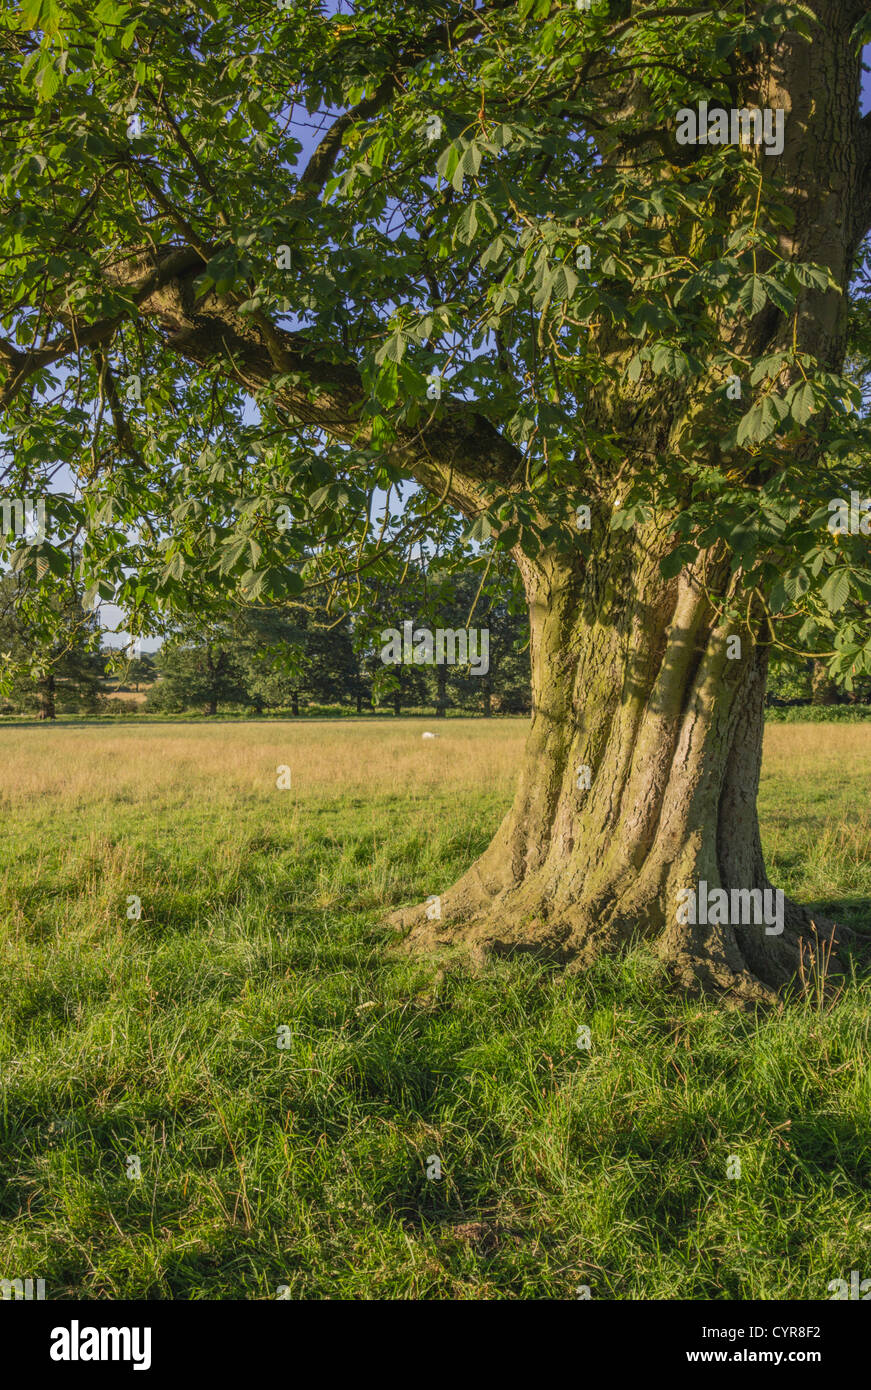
point(58, 560)
point(668, 360)
point(480, 530)
point(110, 14)
point(565, 283)
point(726, 44)
point(377, 152)
point(762, 420)
point(393, 350)
point(836, 590)
point(636, 365)
point(769, 366)
point(29, 13)
point(470, 165)
point(47, 79)
point(672, 565)
point(752, 296)
point(231, 553)
point(530, 543)
point(812, 277)
point(468, 225)
point(861, 35)
point(251, 584)
point(494, 252)
point(777, 293)
point(646, 317)
point(796, 584)
point(801, 402)
point(448, 161)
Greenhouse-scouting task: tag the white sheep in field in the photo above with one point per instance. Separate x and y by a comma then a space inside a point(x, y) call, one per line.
point(429, 735)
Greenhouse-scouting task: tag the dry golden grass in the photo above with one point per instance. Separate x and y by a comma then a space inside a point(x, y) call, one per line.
point(811, 746)
point(71, 762)
point(53, 774)
point(69, 766)
point(75, 795)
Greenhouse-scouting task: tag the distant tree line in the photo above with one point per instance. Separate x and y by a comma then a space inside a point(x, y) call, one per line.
point(279, 659)
point(301, 656)
point(292, 657)
point(806, 681)
point(47, 671)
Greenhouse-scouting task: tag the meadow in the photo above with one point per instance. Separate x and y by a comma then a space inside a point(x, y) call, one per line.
point(301, 1170)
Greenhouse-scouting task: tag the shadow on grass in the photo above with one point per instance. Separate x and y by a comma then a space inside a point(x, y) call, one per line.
point(854, 913)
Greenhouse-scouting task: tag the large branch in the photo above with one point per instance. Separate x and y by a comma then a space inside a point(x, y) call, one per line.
point(151, 276)
point(458, 453)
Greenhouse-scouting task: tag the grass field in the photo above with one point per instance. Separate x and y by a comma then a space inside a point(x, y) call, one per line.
point(305, 1166)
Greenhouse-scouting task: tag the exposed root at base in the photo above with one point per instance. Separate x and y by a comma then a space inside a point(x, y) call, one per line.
point(742, 966)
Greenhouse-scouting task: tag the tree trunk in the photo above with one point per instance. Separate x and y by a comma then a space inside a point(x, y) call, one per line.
point(397, 702)
point(46, 697)
point(212, 667)
point(823, 690)
point(441, 690)
point(639, 782)
point(633, 684)
point(294, 703)
point(487, 693)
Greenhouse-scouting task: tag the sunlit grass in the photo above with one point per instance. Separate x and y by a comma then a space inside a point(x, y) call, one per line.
point(305, 1166)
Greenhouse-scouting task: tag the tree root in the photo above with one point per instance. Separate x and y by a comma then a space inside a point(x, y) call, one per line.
point(742, 965)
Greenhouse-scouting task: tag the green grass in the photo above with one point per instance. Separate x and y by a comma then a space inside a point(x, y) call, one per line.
point(306, 1166)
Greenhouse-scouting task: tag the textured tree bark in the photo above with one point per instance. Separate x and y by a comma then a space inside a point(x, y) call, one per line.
point(639, 782)
point(46, 697)
point(441, 691)
point(823, 690)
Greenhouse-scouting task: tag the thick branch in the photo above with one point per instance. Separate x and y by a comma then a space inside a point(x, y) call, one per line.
point(23, 365)
point(458, 452)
